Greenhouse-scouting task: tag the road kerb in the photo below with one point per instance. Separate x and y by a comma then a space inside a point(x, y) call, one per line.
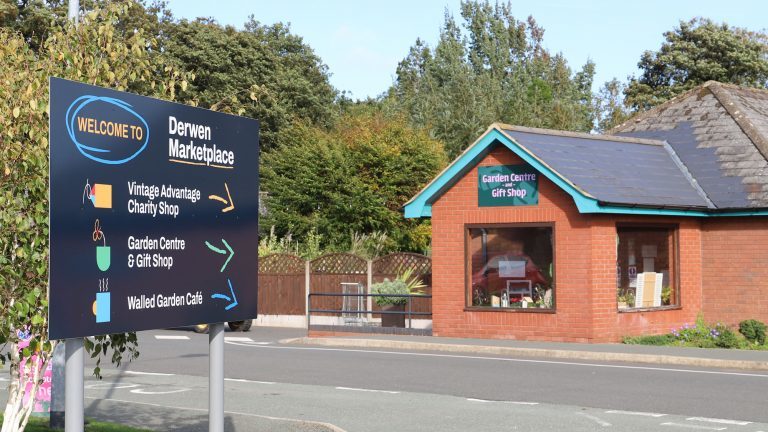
point(657, 359)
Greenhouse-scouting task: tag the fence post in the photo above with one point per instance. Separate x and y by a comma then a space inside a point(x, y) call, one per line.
point(306, 289)
point(368, 298)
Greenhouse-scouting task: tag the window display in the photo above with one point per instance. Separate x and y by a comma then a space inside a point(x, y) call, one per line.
point(645, 268)
point(511, 267)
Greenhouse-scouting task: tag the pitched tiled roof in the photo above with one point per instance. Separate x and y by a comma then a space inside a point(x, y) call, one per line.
point(614, 170)
point(720, 134)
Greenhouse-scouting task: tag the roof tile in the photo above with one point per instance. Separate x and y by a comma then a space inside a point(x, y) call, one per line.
point(732, 121)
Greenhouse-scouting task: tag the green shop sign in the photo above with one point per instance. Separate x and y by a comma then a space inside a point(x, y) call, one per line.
point(507, 185)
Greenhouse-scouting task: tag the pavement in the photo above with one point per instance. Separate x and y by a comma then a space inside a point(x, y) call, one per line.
point(647, 354)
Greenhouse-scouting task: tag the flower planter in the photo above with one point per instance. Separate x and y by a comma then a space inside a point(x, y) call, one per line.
point(393, 320)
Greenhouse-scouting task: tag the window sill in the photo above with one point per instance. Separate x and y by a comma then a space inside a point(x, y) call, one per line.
point(507, 310)
point(650, 309)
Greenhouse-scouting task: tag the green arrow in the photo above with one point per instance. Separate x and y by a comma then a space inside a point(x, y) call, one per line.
point(223, 252)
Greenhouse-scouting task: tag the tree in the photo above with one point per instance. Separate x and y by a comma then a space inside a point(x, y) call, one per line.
point(35, 19)
point(95, 52)
point(263, 71)
point(610, 109)
point(493, 68)
point(697, 51)
point(353, 178)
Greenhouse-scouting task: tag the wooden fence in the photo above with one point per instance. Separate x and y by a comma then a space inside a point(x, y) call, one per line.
point(281, 285)
point(283, 280)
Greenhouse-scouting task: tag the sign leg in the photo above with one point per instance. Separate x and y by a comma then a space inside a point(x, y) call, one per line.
point(57, 388)
point(73, 399)
point(216, 378)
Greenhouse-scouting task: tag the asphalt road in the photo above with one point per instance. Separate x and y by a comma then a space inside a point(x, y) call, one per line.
point(360, 390)
point(277, 387)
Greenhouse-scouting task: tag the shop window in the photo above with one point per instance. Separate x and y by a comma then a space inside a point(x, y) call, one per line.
point(511, 268)
point(646, 273)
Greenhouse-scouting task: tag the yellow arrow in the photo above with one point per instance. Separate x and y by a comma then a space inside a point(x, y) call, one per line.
point(230, 202)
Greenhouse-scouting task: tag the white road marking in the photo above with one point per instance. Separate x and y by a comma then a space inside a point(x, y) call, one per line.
point(147, 392)
point(635, 413)
point(367, 390)
point(506, 402)
point(721, 421)
point(595, 419)
point(237, 339)
point(171, 337)
point(149, 373)
point(110, 386)
point(3, 379)
point(514, 360)
point(688, 426)
point(334, 428)
point(247, 381)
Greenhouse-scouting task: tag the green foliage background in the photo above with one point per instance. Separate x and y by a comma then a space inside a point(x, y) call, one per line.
point(490, 68)
point(697, 51)
point(353, 178)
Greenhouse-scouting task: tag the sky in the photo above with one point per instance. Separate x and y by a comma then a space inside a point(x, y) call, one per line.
point(362, 41)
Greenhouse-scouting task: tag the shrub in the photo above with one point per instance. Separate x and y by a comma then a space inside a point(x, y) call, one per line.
point(390, 287)
point(703, 335)
point(665, 339)
point(753, 330)
point(405, 283)
point(727, 338)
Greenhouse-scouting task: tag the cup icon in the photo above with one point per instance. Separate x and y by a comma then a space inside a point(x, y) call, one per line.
point(103, 252)
point(103, 308)
point(103, 257)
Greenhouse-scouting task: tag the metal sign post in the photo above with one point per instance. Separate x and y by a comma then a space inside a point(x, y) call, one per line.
point(73, 10)
point(216, 377)
point(74, 409)
point(57, 387)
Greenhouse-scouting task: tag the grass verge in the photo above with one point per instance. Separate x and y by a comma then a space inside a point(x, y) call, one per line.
point(38, 424)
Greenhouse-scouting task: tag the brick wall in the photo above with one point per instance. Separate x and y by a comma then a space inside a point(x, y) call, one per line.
point(735, 270)
point(585, 269)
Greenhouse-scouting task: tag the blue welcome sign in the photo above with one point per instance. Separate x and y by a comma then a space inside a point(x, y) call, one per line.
point(153, 213)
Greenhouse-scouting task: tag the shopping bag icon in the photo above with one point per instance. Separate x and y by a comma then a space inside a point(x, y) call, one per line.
point(102, 196)
point(103, 257)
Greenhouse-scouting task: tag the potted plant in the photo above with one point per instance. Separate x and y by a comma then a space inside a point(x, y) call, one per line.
point(626, 299)
point(404, 284)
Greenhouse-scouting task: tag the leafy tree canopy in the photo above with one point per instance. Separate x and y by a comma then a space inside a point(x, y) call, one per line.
point(260, 71)
point(697, 51)
point(609, 107)
point(353, 178)
point(263, 72)
point(490, 68)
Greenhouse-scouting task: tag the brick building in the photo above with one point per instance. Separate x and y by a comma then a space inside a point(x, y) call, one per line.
point(552, 235)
